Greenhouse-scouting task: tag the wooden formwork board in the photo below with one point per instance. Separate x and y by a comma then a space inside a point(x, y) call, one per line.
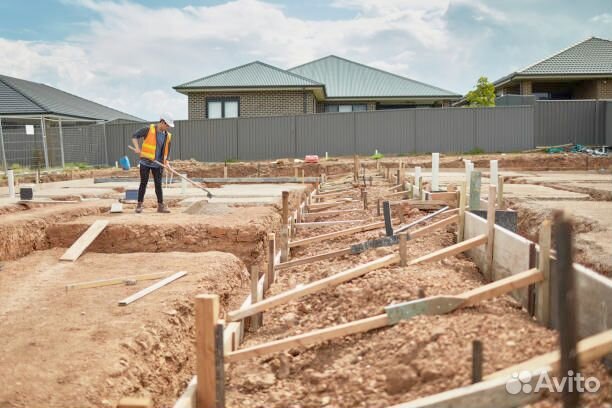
point(511, 256)
point(510, 251)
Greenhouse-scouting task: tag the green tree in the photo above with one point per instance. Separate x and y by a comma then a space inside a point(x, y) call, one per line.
point(483, 95)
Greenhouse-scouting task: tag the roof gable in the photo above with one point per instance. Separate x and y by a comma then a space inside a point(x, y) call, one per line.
point(32, 97)
point(344, 78)
point(254, 74)
point(591, 56)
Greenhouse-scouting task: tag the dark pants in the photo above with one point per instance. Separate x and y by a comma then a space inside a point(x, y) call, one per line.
point(157, 179)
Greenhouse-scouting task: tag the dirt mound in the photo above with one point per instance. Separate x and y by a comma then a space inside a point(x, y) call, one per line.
point(79, 348)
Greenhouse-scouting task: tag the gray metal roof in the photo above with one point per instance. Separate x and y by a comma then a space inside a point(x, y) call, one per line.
point(344, 79)
point(592, 56)
point(18, 97)
point(255, 74)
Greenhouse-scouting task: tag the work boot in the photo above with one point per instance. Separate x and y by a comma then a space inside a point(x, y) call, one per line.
point(161, 208)
point(139, 208)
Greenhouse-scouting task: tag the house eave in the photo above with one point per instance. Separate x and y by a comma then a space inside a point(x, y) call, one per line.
point(513, 77)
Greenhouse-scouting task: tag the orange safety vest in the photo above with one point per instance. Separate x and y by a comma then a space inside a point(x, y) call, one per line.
point(147, 151)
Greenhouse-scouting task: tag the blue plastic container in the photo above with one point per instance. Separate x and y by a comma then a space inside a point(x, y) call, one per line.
point(124, 162)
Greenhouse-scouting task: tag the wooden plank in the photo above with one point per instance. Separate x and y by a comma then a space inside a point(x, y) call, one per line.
point(511, 253)
point(81, 244)
point(307, 216)
point(116, 281)
point(330, 235)
point(151, 288)
point(451, 250)
point(446, 196)
point(484, 394)
point(313, 287)
point(497, 288)
point(314, 258)
point(306, 339)
point(325, 223)
point(206, 317)
point(588, 350)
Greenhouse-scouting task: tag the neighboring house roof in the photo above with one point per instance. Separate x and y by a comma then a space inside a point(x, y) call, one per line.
point(590, 57)
point(253, 75)
point(20, 97)
point(347, 79)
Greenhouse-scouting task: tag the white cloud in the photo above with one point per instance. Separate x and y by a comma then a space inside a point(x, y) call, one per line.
point(130, 55)
point(605, 18)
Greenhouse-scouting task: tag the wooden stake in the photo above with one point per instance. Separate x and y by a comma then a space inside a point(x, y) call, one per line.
point(355, 167)
point(256, 318)
point(285, 214)
point(206, 317)
point(566, 298)
point(271, 259)
point(543, 289)
point(500, 193)
point(490, 232)
point(378, 207)
point(462, 200)
point(284, 243)
point(402, 248)
point(220, 364)
point(365, 200)
point(476, 361)
point(387, 214)
point(225, 171)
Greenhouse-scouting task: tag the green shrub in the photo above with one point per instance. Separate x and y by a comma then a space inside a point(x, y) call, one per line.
point(377, 156)
point(475, 150)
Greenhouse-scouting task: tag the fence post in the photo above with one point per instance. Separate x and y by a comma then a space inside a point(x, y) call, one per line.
point(61, 137)
point(44, 141)
point(105, 144)
point(4, 163)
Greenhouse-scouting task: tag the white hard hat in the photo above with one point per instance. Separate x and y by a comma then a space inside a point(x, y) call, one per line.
point(167, 117)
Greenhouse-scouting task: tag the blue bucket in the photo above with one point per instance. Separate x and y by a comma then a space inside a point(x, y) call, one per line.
point(124, 162)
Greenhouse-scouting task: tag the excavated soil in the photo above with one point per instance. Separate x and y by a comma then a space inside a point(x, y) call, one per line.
point(62, 348)
point(24, 231)
point(286, 167)
point(390, 365)
point(239, 232)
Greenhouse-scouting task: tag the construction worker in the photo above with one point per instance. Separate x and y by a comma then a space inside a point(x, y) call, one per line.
point(155, 148)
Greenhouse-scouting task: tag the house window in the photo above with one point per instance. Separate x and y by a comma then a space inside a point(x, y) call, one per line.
point(217, 108)
point(346, 108)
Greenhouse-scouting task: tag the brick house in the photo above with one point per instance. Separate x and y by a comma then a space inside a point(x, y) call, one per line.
point(329, 84)
point(582, 71)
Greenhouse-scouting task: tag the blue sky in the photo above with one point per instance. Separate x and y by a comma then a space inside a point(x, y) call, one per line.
point(129, 53)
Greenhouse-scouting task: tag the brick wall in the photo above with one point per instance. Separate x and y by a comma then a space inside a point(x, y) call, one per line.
point(259, 103)
point(526, 88)
point(605, 88)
